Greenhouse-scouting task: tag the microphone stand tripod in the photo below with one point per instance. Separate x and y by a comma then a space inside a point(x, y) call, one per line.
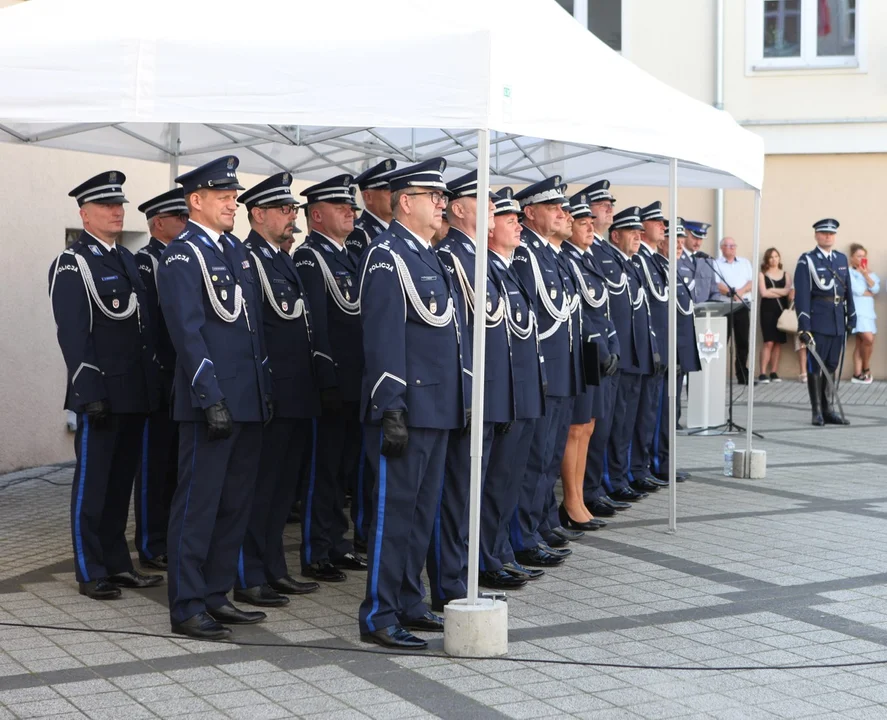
point(729, 427)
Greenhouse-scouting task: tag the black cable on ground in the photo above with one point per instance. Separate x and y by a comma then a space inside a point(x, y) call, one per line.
point(420, 653)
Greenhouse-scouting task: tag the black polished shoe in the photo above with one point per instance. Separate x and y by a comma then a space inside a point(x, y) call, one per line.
point(100, 590)
point(680, 476)
point(202, 627)
point(429, 622)
point(519, 571)
point(500, 580)
point(286, 585)
point(557, 552)
point(231, 615)
point(324, 571)
point(135, 579)
point(627, 495)
point(617, 505)
point(832, 418)
point(160, 562)
point(597, 508)
point(260, 596)
point(564, 532)
point(567, 521)
point(394, 636)
point(359, 545)
point(653, 480)
point(641, 486)
point(536, 557)
point(350, 561)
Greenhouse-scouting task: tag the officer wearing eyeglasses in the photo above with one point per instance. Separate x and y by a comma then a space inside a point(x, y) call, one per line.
point(157, 476)
point(415, 391)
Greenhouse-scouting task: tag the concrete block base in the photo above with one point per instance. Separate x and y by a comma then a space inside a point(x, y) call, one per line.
point(476, 630)
point(757, 466)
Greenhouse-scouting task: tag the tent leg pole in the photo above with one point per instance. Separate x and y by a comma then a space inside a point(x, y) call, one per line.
point(672, 344)
point(753, 336)
point(175, 142)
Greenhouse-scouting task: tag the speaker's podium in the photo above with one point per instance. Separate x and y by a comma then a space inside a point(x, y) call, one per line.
point(708, 387)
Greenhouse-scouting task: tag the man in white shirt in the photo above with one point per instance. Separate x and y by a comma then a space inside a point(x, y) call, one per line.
point(735, 279)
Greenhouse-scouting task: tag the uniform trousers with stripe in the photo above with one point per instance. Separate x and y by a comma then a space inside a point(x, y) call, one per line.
point(538, 480)
point(285, 443)
point(550, 515)
point(645, 427)
point(405, 497)
point(361, 486)
point(448, 551)
point(335, 457)
point(628, 395)
point(107, 457)
point(209, 515)
point(595, 467)
point(660, 457)
point(155, 483)
point(501, 492)
point(828, 347)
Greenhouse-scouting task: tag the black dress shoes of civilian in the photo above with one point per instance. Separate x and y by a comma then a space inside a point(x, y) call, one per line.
point(287, 585)
point(350, 561)
point(202, 627)
point(159, 562)
point(627, 495)
point(642, 486)
point(500, 580)
point(537, 557)
point(567, 532)
point(429, 622)
point(567, 521)
point(324, 571)
point(394, 636)
point(260, 596)
point(100, 590)
point(230, 615)
point(519, 571)
point(135, 579)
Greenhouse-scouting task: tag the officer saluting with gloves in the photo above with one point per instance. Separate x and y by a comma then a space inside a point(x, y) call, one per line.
point(210, 300)
point(414, 393)
point(102, 312)
point(824, 301)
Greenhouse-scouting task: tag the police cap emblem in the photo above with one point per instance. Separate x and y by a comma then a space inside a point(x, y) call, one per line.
point(388, 165)
point(230, 163)
point(286, 178)
point(443, 165)
point(112, 177)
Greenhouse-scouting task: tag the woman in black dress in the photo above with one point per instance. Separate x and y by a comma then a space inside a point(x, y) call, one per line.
point(775, 286)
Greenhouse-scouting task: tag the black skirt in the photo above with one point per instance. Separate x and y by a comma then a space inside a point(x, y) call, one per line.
point(770, 312)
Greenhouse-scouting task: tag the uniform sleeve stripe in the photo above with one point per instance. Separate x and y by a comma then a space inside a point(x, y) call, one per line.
point(382, 378)
point(203, 363)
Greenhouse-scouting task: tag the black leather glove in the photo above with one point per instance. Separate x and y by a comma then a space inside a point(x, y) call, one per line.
point(394, 433)
point(657, 364)
point(502, 428)
point(219, 424)
point(610, 366)
point(331, 401)
point(98, 412)
point(806, 338)
point(467, 429)
point(663, 370)
point(545, 388)
point(679, 373)
point(269, 403)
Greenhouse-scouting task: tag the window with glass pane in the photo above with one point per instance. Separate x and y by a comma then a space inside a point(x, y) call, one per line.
point(782, 28)
point(566, 5)
point(836, 28)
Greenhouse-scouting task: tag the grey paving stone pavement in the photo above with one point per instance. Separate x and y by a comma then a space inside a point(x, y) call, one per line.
point(767, 602)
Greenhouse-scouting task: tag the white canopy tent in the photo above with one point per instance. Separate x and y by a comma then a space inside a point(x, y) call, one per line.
point(317, 88)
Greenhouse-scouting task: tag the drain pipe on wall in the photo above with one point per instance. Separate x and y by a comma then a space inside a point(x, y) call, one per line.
point(719, 104)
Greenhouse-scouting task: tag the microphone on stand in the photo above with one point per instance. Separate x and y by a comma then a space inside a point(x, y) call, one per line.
point(700, 254)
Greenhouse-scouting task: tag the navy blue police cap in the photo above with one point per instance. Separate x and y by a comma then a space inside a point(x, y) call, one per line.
point(549, 191)
point(679, 229)
point(374, 178)
point(628, 219)
point(274, 191)
point(697, 229)
point(465, 186)
point(826, 225)
point(427, 174)
point(171, 202)
point(504, 202)
point(335, 190)
point(579, 206)
point(105, 188)
point(218, 174)
point(599, 191)
point(653, 211)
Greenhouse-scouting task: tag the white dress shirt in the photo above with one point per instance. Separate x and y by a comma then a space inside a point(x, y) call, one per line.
point(736, 274)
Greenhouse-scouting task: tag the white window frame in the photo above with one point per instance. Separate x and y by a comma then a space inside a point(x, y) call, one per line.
point(808, 59)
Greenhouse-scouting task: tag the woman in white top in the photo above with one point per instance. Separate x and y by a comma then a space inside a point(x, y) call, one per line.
point(865, 285)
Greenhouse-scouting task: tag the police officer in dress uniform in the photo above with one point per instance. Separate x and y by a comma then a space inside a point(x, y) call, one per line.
point(706, 287)
point(656, 286)
point(448, 554)
point(211, 301)
point(158, 467)
point(601, 203)
point(415, 392)
point(376, 216)
point(329, 273)
point(262, 575)
point(824, 301)
point(687, 356)
point(597, 329)
point(536, 262)
point(102, 315)
point(640, 357)
point(510, 450)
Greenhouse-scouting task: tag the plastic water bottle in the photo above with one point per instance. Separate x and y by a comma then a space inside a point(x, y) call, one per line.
point(729, 447)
